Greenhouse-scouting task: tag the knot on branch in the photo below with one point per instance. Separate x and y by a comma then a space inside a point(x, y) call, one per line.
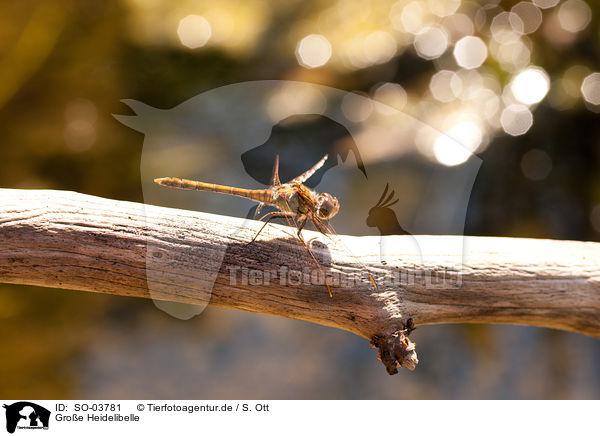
point(396, 349)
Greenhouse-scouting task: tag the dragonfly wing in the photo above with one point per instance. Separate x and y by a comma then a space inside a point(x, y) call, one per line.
point(275, 178)
point(274, 182)
point(304, 177)
point(257, 210)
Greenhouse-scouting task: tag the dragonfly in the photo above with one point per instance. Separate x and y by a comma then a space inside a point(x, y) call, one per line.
point(293, 201)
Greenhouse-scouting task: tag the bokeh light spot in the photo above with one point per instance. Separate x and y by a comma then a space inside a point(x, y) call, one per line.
point(412, 18)
point(530, 15)
point(443, 8)
point(512, 56)
point(356, 108)
point(379, 47)
point(536, 164)
point(545, 4)
point(194, 31)
point(574, 15)
point(516, 119)
point(590, 88)
point(81, 109)
point(470, 52)
point(531, 85)
point(457, 145)
point(80, 129)
point(488, 102)
point(445, 86)
point(79, 135)
point(293, 99)
point(506, 27)
point(391, 94)
point(458, 25)
point(566, 90)
point(313, 51)
point(431, 42)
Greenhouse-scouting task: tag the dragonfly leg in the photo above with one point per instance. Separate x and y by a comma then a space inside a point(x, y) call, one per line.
point(270, 216)
point(319, 226)
point(301, 224)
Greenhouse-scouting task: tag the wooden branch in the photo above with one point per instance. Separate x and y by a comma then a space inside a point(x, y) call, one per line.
point(74, 241)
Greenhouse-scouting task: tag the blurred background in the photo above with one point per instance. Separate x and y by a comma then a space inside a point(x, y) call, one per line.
point(515, 82)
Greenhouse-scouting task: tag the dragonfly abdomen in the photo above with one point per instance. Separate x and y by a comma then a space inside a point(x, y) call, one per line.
point(262, 195)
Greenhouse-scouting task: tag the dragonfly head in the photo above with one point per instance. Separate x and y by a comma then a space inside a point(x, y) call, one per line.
point(327, 206)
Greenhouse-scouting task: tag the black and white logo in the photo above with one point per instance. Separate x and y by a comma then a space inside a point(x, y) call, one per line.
point(26, 415)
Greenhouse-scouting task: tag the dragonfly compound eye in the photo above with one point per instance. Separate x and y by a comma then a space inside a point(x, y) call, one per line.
point(327, 206)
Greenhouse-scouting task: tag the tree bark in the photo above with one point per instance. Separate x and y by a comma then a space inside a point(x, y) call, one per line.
point(74, 241)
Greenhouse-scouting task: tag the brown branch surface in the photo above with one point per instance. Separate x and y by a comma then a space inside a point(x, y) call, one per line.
point(74, 241)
